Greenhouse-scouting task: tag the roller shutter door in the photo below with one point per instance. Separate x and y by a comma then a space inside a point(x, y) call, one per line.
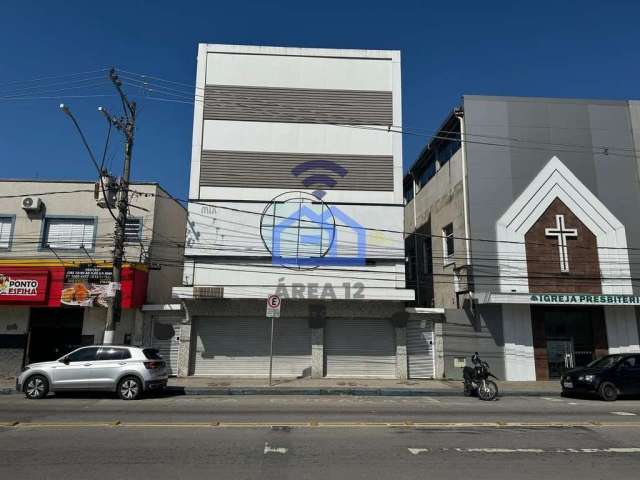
point(165, 337)
point(360, 348)
point(420, 348)
point(239, 346)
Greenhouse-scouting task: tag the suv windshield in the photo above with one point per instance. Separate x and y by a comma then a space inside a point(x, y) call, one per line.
point(152, 354)
point(605, 362)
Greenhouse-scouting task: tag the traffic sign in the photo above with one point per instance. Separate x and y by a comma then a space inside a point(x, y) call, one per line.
point(273, 306)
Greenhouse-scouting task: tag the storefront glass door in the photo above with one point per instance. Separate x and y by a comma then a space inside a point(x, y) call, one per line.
point(561, 356)
point(566, 337)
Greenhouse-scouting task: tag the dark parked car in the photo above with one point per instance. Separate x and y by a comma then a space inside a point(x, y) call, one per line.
point(607, 377)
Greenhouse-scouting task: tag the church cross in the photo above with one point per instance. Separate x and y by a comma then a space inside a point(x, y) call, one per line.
point(562, 234)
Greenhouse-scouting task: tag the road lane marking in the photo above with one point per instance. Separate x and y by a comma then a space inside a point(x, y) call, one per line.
point(624, 414)
point(502, 450)
point(552, 399)
point(319, 424)
point(269, 449)
point(418, 451)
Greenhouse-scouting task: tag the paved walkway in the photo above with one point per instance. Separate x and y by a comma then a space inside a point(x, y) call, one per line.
point(331, 386)
point(346, 386)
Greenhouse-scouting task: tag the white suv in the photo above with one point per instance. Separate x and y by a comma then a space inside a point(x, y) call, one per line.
point(126, 370)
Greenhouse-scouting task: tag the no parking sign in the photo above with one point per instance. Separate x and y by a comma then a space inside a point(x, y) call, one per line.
point(273, 306)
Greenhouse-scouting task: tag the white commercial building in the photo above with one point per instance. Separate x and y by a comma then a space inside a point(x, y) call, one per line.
point(296, 190)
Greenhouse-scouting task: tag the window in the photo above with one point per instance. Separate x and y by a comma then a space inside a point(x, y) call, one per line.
point(448, 244)
point(152, 354)
point(631, 363)
point(428, 173)
point(83, 355)
point(447, 150)
point(68, 233)
point(6, 227)
point(113, 354)
point(133, 230)
point(408, 193)
point(426, 255)
point(410, 266)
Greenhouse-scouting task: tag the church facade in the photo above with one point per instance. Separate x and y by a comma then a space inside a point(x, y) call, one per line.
point(532, 232)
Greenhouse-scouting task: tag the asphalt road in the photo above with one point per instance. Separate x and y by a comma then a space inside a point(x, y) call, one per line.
point(319, 437)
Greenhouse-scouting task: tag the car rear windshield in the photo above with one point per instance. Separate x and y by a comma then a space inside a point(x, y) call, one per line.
point(152, 354)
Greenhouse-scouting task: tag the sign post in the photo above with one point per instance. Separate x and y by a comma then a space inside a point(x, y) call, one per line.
point(273, 311)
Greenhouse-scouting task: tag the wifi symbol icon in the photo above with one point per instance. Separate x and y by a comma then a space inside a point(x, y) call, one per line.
point(319, 174)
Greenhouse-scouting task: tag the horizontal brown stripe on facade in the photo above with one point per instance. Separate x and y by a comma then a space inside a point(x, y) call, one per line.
point(275, 170)
point(297, 105)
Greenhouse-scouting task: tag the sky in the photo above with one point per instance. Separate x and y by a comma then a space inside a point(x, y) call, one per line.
point(576, 49)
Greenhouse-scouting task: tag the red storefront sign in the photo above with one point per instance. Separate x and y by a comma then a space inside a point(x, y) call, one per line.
point(21, 286)
point(45, 286)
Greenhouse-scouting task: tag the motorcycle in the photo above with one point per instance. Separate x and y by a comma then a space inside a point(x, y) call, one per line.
point(476, 380)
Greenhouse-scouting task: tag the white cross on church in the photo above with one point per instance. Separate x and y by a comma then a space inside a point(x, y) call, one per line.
point(562, 233)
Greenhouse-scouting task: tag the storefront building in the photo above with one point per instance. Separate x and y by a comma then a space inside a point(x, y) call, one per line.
point(538, 235)
point(42, 321)
point(56, 271)
point(288, 198)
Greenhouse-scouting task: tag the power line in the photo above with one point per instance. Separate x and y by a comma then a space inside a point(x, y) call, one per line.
point(54, 76)
point(385, 230)
point(187, 97)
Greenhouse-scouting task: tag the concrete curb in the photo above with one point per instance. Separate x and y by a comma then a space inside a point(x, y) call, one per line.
point(340, 391)
point(347, 391)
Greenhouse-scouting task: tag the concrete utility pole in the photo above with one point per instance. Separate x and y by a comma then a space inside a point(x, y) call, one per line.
point(126, 125)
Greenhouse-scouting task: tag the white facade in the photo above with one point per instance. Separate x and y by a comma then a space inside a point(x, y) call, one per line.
point(281, 107)
point(214, 232)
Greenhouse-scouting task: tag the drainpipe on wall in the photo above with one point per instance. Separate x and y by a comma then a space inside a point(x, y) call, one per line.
point(415, 237)
point(459, 113)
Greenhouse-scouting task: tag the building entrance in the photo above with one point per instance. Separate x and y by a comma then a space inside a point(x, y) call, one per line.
point(566, 337)
point(53, 332)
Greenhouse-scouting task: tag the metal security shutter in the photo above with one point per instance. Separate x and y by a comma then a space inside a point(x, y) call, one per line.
point(420, 348)
point(360, 348)
point(239, 346)
point(165, 337)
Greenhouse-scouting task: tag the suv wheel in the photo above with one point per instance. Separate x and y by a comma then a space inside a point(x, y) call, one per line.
point(36, 387)
point(608, 392)
point(130, 388)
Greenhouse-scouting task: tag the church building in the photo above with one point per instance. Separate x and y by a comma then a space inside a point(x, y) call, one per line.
point(522, 225)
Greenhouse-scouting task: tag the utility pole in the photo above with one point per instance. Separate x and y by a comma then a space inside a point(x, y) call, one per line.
point(126, 125)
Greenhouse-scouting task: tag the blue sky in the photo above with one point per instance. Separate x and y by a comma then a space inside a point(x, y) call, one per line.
point(583, 49)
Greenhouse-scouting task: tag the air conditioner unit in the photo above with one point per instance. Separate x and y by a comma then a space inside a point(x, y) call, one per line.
point(31, 204)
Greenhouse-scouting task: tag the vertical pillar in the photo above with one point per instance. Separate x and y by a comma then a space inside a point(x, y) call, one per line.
point(137, 333)
point(184, 348)
point(317, 352)
point(519, 335)
point(402, 371)
point(438, 340)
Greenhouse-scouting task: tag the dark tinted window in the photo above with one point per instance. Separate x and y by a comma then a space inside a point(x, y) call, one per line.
point(449, 244)
point(631, 362)
point(113, 354)
point(152, 354)
point(605, 362)
point(83, 355)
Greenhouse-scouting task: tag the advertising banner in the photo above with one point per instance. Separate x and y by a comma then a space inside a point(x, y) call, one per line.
point(87, 286)
point(23, 286)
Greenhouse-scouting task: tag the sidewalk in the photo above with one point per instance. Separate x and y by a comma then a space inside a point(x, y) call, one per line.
point(331, 386)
